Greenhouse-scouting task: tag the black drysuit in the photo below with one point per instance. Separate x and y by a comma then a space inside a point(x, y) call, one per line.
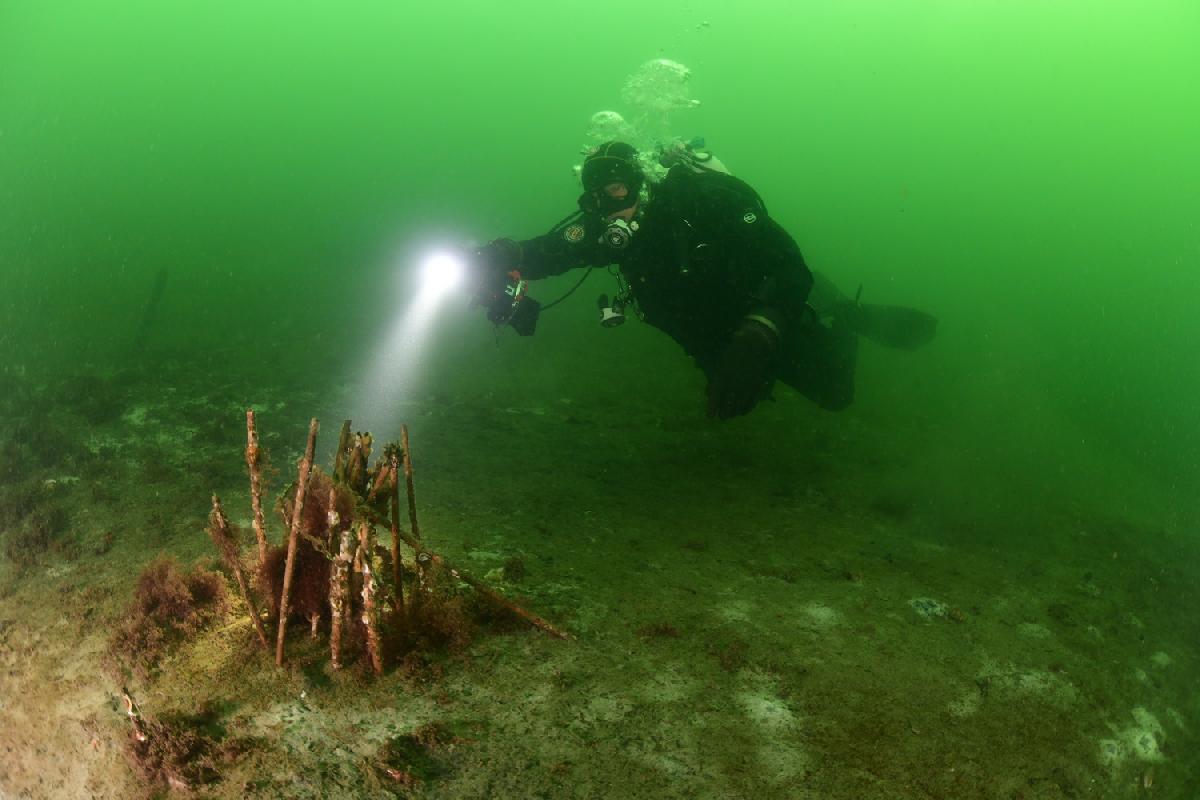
point(706, 256)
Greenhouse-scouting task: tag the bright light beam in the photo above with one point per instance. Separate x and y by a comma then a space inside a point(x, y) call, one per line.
point(395, 368)
point(441, 274)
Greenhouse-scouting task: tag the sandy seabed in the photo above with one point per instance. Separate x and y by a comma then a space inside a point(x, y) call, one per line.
point(791, 605)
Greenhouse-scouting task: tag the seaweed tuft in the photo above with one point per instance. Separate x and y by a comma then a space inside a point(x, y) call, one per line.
point(168, 606)
point(177, 751)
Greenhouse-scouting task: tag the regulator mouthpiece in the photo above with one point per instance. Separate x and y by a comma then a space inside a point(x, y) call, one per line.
point(619, 233)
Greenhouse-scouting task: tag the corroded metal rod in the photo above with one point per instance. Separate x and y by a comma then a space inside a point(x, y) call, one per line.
point(294, 535)
point(339, 459)
point(424, 554)
point(222, 535)
point(339, 591)
point(394, 505)
point(408, 479)
point(370, 595)
point(252, 463)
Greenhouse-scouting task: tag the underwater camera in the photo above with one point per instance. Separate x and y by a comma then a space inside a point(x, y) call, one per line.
point(511, 304)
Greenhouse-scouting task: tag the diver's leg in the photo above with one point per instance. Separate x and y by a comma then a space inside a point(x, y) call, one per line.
point(890, 326)
point(820, 361)
point(825, 297)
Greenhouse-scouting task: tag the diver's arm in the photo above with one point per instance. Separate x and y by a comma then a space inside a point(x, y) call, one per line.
point(544, 256)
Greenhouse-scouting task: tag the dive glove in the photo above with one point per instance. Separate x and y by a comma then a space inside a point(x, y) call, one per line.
point(742, 374)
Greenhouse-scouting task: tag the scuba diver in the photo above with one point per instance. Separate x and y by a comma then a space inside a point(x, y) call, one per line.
point(700, 258)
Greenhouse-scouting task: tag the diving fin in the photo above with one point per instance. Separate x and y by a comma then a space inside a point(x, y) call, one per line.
point(893, 326)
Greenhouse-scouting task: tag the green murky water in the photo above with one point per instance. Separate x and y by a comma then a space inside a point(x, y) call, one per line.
point(265, 177)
